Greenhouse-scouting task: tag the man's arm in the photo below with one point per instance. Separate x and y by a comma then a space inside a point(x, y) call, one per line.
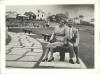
point(77, 38)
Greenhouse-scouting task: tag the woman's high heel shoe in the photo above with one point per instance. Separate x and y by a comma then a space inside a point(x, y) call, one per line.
point(45, 59)
point(51, 59)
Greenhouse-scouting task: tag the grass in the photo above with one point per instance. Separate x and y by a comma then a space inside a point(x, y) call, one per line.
point(86, 51)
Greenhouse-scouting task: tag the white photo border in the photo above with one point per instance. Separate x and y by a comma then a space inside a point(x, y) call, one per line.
point(4, 70)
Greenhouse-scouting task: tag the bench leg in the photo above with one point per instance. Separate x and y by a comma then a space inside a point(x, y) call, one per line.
point(24, 31)
point(62, 56)
point(29, 32)
point(44, 37)
point(48, 38)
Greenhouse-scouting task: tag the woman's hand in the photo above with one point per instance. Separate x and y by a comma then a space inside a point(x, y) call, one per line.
point(50, 41)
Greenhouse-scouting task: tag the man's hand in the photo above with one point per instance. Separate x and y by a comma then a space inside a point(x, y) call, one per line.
point(50, 41)
point(75, 44)
point(53, 40)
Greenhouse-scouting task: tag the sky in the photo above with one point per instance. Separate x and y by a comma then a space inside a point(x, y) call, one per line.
point(73, 10)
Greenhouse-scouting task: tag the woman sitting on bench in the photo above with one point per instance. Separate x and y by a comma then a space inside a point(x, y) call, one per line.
point(58, 38)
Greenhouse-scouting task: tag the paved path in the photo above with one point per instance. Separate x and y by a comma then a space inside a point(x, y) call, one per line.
point(22, 51)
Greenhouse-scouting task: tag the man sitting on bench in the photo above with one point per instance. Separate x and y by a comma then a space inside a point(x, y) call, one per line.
point(73, 43)
point(71, 39)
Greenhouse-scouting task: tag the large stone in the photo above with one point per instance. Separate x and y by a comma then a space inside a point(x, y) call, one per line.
point(18, 48)
point(20, 64)
point(37, 45)
point(9, 48)
point(7, 51)
point(12, 57)
point(34, 54)
point(19, 51)
point(38, 50)
point(42, 40)
point(29, 58)
point(27, 44)
point(14, 43)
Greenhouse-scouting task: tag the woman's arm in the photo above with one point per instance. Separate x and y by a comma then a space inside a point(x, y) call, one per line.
point(53, 34)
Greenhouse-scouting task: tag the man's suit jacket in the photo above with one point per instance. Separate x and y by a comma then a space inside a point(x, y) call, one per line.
point(75, 36)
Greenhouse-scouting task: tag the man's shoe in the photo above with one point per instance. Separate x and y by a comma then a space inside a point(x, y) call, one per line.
point(78, 62)
point(51, 59)
point(71, 61)
point(45, 59)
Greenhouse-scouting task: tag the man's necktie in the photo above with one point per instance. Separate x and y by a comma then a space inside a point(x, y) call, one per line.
point(70, 33)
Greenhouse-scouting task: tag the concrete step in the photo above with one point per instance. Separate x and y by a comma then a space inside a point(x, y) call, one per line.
point(19, 64)
point(64, 64)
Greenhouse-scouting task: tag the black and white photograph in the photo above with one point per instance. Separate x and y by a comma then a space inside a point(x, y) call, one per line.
point(59, 36)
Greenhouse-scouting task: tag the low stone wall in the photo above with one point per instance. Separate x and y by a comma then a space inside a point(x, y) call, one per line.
point(8, 38)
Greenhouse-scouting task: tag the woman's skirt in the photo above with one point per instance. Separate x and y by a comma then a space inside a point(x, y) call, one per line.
point(55, 44)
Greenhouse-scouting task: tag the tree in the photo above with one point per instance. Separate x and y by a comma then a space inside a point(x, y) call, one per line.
point(52, 18)
point(81, 17)
point(60, 16)
point(31, 15)
point(92, 20)
point(74, 19)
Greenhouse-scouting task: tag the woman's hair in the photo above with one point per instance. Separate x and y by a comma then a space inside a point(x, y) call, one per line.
point(63, 20)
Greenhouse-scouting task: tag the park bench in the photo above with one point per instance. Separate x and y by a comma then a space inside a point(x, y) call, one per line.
point(27, 31)
point(46, 36)
point(62, 50)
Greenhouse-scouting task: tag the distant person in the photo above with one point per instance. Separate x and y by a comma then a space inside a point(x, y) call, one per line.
point(58, 38)
point(47, 23)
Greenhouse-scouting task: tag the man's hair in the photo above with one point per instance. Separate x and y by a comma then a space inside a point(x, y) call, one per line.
point(70, 22)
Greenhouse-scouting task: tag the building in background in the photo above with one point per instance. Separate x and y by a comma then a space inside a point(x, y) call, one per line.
point(11, 14)
point(41, 15)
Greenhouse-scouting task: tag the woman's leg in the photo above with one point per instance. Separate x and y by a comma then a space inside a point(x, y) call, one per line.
point(46, 53)
point(51, 54)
